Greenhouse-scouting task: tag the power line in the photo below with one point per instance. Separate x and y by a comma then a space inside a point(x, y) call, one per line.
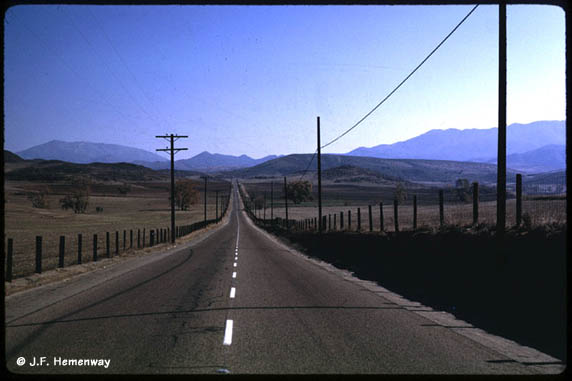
point(391, 93)
point(402, 82)
point(308, 166)
point(133, 99)
point(120, 57)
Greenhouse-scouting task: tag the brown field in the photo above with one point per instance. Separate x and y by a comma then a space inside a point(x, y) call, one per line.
point(146, 206)
point(340, 198)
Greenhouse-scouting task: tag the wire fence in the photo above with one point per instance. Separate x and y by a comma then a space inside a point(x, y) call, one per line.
point(410, 206)
point(31, 253)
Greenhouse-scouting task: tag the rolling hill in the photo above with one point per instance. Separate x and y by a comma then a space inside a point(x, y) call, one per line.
point(55, 170)
point(414, 170)
point(551, 157)
point(10, 157)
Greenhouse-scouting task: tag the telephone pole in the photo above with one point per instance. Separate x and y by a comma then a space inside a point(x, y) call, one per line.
point(205, 177)
point(501, 154)
point(172, 138)
point(271, 201)
point(319, 181)
point(216, 203)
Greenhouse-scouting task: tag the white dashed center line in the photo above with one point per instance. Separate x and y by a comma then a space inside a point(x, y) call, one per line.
point(234, 264)
point(232, 292)
point(228, 333)
point(234, 274)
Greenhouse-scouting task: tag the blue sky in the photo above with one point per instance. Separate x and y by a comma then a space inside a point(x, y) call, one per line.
point(252, 79)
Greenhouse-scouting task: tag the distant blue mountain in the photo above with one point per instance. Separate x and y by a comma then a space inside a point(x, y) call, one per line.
point(470, 144)
point(210, 162)
point(86, 152)
point(549, 158)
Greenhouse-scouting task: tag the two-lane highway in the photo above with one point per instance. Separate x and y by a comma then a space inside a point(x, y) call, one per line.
point(237, 301)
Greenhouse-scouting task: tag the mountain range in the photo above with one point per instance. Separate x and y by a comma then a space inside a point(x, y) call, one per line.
point(417, 170)
point(471, 144)
point(534, 147)
point(86, 152)
point(208, 162)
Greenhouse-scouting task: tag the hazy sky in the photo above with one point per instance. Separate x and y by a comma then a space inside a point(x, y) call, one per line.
point(252, 79)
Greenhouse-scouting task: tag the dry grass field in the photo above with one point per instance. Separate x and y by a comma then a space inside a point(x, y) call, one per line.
point(340, 198)
point(146, 206)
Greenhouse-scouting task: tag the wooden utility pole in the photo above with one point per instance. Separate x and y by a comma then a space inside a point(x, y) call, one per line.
point(319, 181)
point(205, 177)
point(286, 201)
point(501, 156)
point(172, 151)
point(216, 205)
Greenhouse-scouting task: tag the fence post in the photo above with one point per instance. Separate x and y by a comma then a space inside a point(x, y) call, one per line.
point(441, 213)
point(349, 220)
point(341, 220)
point(286, 201)
point(62, 250)
point(95, 247)
point(79, 249)
point(39, 254)
point(414, 212)
point(124, 238)
point(358, 220)
point(370, 218)
point(475, 203)
point(143, 240)
point(131, 238)
point(329, 222)
point(116, 242)
point(518, 199)
point(138, 238)
point(381, 216)
point(151, 233)
point(9, 260)
point(335, 221)
point(395, 215)
point(107, 248)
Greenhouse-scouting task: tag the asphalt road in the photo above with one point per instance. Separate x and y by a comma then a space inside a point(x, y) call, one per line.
point(238, 302)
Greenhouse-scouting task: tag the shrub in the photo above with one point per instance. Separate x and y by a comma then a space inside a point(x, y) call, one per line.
point(38, 199)
point(76, 201)
point(185, 194)
point(299, 191)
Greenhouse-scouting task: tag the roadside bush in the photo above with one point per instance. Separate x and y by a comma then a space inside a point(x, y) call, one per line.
point(124, 188)
point(77, 201)
point(38, 199)
point(186, 194)
point(299, 191)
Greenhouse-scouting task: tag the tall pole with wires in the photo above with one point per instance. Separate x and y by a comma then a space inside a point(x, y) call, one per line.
point(319, 181)
point(172, 151)
point(501, 155)
point(205, 177)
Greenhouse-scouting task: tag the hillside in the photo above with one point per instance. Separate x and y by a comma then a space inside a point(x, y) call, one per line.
point(547, 158)
point(405, 169)
point(353, 174)
point(54, 170)
point(10, 157)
